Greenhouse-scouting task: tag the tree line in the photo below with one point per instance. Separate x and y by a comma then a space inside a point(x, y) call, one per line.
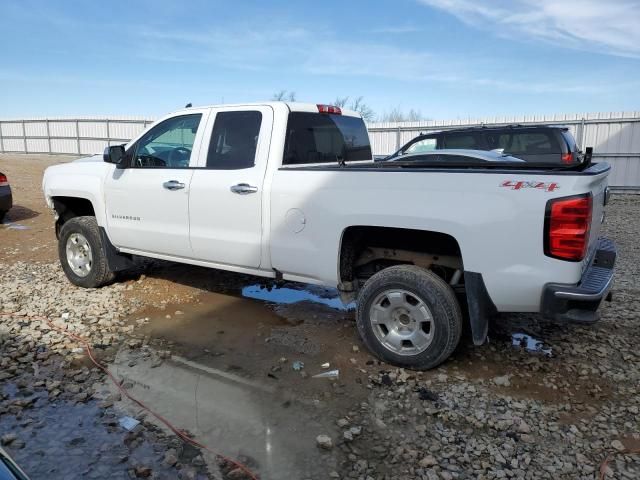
point(396, 114)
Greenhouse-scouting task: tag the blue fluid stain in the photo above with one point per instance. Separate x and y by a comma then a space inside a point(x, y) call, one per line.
point(287, 296)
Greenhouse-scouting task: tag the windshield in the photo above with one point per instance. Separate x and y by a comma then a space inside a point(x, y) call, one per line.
point(322, 138)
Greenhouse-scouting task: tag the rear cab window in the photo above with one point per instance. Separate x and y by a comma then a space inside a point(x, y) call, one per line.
point(325, 138)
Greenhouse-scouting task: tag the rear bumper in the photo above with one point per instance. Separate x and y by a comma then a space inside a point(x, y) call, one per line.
point(579, 303)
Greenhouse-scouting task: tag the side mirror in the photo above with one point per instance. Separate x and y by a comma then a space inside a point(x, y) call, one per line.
point(113, 154)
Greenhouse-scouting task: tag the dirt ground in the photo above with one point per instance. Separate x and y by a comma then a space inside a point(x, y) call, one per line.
point(215, 352)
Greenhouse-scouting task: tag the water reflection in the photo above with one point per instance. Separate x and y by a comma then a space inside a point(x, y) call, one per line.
point(530, 344)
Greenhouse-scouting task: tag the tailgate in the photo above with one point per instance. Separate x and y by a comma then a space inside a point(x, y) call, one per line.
point(597, 183)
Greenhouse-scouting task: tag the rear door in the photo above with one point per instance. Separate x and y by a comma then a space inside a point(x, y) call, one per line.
point(225, 203)
point(147, 204)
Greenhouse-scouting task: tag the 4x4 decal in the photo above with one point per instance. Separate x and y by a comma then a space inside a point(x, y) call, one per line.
point(519, 185)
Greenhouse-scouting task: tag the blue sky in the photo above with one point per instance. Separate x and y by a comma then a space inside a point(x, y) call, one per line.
point(445, 58)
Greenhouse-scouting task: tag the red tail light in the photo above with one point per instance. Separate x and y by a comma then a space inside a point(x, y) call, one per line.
point(567, 225)
point(3, 180)
point(567, 158)
point(329, 109)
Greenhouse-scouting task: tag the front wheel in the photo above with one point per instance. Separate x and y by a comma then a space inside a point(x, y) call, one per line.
point(81, 253)
point(409, 317)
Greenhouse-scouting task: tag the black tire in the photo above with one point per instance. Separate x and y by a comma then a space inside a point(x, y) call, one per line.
point(99, 273)
point(2, 214)
point(436, 295)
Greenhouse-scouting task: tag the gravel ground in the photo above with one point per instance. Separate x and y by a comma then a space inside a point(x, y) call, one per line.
point(505, 412)
point(539, 401)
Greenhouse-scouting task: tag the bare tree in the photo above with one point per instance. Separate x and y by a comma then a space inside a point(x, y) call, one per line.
point(284, 96)
point(357, 104)
point(363, 109)
point(396, 114)
point(340, 101)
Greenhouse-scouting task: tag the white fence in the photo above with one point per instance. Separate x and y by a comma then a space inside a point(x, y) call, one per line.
point(77, 136)
point(615, 137)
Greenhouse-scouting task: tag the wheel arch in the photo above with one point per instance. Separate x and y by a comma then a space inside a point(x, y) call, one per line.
point(440, 246)
point(68, 207)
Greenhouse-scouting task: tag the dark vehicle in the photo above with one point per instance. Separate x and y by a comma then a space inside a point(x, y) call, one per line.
point(453, 158)
point(6, 199)
point(541, 144)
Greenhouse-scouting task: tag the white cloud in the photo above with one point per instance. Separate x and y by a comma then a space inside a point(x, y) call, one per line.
point(290, 51)
point(609, 27)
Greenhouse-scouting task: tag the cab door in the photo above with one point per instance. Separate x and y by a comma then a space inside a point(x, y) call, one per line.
point(225, 204)
point(147, 203)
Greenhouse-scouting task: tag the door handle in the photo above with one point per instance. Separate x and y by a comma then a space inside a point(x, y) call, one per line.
point(173, 185)
point(244, 189)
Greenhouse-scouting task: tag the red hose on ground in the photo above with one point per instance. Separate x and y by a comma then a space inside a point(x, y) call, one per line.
point(605, 462)
point(183, 436)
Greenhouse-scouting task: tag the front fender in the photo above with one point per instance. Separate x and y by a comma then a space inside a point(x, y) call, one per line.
point(78, 180)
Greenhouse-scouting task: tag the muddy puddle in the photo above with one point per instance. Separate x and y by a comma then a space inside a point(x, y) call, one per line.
point(222, 367)
point(254, 327)
point(270, 428)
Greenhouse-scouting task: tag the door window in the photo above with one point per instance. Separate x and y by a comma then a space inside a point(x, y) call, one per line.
point(234, 140)
point(424, 145)
point(528, 143)
point(169, 144)
point(466, 141)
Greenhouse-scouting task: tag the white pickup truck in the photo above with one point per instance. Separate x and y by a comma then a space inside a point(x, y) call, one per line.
point(289, 191)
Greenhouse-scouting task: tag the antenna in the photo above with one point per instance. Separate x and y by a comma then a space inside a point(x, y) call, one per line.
point(188, 105)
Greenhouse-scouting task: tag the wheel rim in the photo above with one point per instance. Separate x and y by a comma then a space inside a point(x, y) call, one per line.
point(79, 255)
point(402, 322)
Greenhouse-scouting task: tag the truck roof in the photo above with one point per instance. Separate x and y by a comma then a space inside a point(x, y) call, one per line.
point(292, 106)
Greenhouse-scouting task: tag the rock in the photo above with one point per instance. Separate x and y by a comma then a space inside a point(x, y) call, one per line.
point(236, 474)
point(143, 471)
point(617, 444)
point(523, 427)
point(188, 473)
point(8, 439)
point(428, 461)
point(170, 458)
point(324, 441)
point(343, 422)
point(72, 388)
point(502, 381)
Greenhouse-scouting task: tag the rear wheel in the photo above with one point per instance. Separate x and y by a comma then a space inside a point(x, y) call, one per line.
point(2, 214)
point(410, 317)
point(81, 253)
